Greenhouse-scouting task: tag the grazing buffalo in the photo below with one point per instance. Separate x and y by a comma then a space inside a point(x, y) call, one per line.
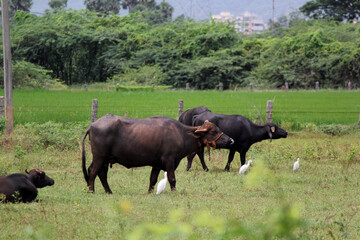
point(20, 187)
point(244, 132)
point(159, 142)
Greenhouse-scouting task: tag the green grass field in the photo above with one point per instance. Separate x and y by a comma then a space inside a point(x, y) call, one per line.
point(320, 201)
point(207, 205)
point(323, 107)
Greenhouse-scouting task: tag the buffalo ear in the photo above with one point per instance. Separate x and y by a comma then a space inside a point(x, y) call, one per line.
point(201, 130)
point(26, 171)
point(269, 132)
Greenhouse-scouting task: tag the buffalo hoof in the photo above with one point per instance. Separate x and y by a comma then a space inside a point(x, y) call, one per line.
point(187, 168)
point(173, 189)
point(206, 169)
point(227, 169)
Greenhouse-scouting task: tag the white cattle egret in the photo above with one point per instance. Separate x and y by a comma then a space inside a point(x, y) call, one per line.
point(244, 167)
point(162, 184)
point(296, 165)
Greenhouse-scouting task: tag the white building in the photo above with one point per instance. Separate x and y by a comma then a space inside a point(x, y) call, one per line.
point(246, 23)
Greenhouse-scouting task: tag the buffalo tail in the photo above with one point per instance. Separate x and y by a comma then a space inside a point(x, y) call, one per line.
point(86, 176)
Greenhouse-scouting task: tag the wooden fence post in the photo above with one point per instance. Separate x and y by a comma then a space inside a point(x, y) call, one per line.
point(286, 86)
point(187, 86)
point(2, 106)
point(221, 86)
point(349, 85)
point(317, 86)
point(269, 106)
point(251, 86)
point(181, 106)
point(86, 87)
point(94, 110)
point(359, 120)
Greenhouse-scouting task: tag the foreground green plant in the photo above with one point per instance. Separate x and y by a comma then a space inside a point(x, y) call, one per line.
point(284, 222)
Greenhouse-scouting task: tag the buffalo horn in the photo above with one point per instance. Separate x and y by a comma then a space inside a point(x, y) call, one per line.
point(269, 132)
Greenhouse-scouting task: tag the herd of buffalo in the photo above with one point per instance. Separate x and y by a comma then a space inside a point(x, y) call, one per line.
point(159, 142)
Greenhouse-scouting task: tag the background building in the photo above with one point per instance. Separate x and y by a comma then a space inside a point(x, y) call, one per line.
point(246, 23)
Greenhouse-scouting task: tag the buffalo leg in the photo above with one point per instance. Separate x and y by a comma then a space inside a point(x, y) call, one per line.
point(93, 170)
point(190, 160)
point(103, 177)
point(243, 157)
point(230, 158)
point(200, 153)
point(171, 179)
point(170, 168)
point(153, 178)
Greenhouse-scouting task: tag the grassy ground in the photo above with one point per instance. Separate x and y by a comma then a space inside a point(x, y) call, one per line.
point(294, 107)
point(325, 191)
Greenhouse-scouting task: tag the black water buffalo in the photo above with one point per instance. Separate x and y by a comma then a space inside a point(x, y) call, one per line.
point(20, 187)
point(187, 116)
point(159, 142)
point(244, 132)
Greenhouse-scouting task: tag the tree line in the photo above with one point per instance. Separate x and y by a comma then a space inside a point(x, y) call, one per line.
point(148, 47)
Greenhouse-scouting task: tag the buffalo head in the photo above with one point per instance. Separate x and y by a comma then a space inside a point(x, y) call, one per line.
point(39, 178)
point(275, 132)
point(212, 136)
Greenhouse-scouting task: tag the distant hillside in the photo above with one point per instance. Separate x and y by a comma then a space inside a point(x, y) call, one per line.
point(202, 9)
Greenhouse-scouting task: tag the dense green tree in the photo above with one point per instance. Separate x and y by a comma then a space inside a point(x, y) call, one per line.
point(23, 5)
point(131, 4)
point(103, 6)
point(345, 10)
point(58, 4)
point(83, 47)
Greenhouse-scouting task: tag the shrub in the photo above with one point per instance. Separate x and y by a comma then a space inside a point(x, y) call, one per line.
point(35, 136)
point(138, 88)
point(29, 75)
point(145, 75)
point(2, 124)
point(336, 130)
point(59, 135)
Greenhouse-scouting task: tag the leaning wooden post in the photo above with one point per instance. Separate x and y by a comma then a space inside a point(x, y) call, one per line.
point(181, 106)
point(317, 86)
point(8, 83)
point(221, 86)
point(2, 106)
point(269, 106)
point(94, 110)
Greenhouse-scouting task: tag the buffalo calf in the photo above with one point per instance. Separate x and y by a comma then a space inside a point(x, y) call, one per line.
point(20, 187)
